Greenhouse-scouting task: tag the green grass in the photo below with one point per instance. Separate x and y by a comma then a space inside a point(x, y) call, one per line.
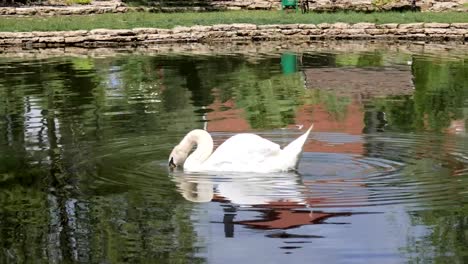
point(169, 20)
point(80, 2)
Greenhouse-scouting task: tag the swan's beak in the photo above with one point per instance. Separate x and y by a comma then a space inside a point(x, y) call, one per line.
point(172, 165)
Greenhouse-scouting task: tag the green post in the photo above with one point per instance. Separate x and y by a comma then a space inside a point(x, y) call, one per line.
point(288, 63)
point(289, 3)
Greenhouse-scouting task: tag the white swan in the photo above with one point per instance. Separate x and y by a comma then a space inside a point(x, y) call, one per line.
point(240, 153)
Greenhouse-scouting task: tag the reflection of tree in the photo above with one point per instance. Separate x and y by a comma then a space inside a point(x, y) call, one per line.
point(268, 102)
point(447, 223)
point(440, 92)
point(314, 60)
point(335, 105)
point(53, 205)
point(363, 59)
point(374, 59)
point(448, 239)
point(77, 135)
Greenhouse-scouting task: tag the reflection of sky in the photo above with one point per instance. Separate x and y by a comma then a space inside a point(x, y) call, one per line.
point(359, 238)
point(337, 138)
point(113, 78)
point(372, 233)
point(35, 125)
point(114, 83)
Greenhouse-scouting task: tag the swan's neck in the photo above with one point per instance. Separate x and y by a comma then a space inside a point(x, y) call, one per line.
point(204, 143)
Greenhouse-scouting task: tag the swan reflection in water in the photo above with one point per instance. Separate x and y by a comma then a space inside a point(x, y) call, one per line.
point(281, 198)
point(241, 189)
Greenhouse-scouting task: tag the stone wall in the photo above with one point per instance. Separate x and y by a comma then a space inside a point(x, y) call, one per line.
point(116, 6)
point(56, 11)
point(238, 32)
point(250, 49)
point(98, 7)
point(354, 5)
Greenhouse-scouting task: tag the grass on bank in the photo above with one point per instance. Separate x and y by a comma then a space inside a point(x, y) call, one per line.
point(169, 20)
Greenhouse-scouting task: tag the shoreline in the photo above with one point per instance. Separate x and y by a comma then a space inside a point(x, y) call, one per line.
point(251, 49)
point(429, 32)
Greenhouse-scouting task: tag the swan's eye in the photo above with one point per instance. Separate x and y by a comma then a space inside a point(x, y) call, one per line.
point(172, 165)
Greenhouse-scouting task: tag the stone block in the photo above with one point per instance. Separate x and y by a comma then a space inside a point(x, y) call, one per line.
point(75, 39)
point(42, 34)
point(314, 32)
point(101, 31)
point(416, 30)
point(221, 27)
point(51, 40)
point(363, 25)
point(145, 30)
point(437, 25)
point(75, 33)
point(401, 31)
point(459, 25)
point(355, 31)
point(416, 36)
point(334, 32)
point(179, 35)
point(340, 25)
point(101, 37)
point(388, 25)
point(263, 27)
point(243, 27)
point(375, 31)
point(324, 25)
point(307, 26)
point(290, 31)
point(181, 29)
point(198, 28)
point(435, 31)
point(411, 26)
point(289, 26)
point(457, 31)
point(8, 35)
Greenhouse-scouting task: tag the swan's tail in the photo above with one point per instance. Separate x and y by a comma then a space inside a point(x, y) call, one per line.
point(293, 151)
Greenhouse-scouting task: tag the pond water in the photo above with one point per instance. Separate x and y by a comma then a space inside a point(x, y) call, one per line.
point(84, 143)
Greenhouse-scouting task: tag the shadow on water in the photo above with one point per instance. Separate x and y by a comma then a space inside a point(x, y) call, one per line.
point(84, 144)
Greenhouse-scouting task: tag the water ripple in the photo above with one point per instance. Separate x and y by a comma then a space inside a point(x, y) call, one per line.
point(377, 177)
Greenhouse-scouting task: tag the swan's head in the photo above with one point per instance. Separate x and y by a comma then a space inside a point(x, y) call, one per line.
point(177, 157)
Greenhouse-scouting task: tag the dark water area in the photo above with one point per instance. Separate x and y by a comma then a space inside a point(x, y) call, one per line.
point(84, 143)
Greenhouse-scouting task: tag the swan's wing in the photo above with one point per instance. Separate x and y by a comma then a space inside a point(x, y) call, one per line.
point(243, 150)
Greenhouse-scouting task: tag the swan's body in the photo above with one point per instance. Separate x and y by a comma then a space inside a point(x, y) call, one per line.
point(240, 153)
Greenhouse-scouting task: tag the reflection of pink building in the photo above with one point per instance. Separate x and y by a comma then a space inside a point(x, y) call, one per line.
point(233, 120)
point(228, 120)
point(352, 123)
point(358, 84)
point(283, 214)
